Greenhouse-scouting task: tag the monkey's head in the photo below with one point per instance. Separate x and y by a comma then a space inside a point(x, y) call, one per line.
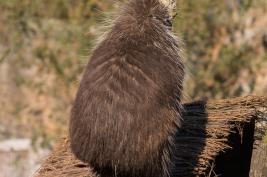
point(170, 6)
point(145, 14)
point(167, 13)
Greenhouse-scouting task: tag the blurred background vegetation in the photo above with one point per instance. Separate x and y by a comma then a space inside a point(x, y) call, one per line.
point(45, 45)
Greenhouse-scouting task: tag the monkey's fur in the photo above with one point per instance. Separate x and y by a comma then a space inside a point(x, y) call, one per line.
point(126, 110)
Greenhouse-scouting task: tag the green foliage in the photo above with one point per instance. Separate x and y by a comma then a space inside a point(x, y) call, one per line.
point(216, 62)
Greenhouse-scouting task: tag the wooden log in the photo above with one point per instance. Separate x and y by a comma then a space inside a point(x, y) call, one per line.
point(259, 161)
point(216, 139)
point(259, 156)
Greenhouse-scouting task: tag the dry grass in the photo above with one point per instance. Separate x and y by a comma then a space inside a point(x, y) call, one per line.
point(207, 126)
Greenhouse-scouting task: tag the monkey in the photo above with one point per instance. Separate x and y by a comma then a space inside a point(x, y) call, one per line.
point(127, 109)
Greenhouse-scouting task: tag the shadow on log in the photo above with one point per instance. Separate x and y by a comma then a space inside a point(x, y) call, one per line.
point(216, 140)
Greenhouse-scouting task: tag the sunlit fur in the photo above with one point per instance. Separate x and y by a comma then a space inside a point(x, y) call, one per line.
point(127, 108)
point(170, 5)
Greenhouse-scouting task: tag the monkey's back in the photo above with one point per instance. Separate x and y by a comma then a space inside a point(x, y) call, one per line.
point(125, 114)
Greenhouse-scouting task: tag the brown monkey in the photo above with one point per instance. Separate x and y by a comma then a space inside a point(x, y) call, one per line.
point(126, 110)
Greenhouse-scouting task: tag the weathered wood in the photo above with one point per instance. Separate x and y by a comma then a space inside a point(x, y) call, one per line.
point(213, 132)
point(235, 162)
point(259, 161)
point(259, 157)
